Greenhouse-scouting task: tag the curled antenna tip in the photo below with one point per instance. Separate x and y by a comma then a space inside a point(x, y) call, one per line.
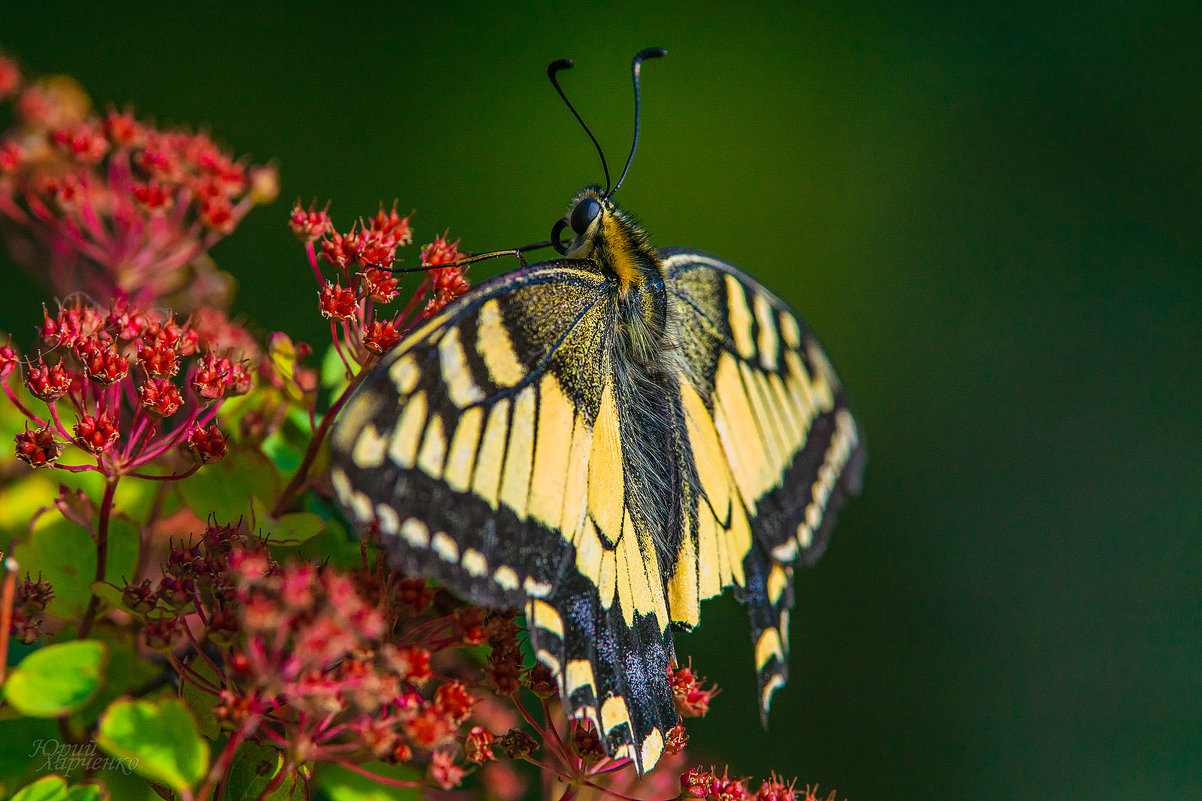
point(559, 64)
point(650, 52)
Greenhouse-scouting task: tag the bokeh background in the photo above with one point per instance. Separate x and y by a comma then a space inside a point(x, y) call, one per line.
point(992, 215)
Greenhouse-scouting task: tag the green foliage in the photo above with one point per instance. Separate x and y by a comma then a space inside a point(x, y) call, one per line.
point(158, 739)
point(54, 788)
point(226, 489)
point(57, 679)
point(254, 768)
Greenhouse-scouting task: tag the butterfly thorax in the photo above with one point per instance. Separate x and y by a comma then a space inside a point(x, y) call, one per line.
point(615, 243)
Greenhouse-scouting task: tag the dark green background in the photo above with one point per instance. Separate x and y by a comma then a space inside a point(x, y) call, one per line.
point(992, 216)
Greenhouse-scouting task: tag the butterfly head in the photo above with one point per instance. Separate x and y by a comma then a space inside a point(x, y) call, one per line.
point(600, 232)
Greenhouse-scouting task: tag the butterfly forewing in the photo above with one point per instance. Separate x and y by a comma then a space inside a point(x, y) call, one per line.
point(488, 447)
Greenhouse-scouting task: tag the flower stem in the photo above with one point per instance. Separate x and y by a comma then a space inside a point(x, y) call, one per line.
point(302, 472)
point(102, 551)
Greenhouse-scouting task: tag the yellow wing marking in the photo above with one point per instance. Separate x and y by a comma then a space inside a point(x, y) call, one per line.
point(464, 446)
point(370, 448)
point(487, 480)
point(653, 746)
point(496, 347)
point(575, 496)
point(461, 389)
point(552, 450)
point(606, 491)
point(434, 448)
point(515, 480)
point(769, 345)
point(407, 436)
point(405, 374)
point(640, 580)
point(543, 615)
point(739, 317)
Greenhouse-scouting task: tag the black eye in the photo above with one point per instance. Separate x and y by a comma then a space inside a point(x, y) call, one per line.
point(583, 215)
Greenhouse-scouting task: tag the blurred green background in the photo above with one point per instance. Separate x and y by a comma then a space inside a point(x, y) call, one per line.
point(991, 213)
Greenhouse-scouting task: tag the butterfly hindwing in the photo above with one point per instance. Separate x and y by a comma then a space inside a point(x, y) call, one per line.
point(775, 445)
point(488, 447)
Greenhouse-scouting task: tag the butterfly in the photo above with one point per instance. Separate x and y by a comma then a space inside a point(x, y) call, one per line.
point(603, 440)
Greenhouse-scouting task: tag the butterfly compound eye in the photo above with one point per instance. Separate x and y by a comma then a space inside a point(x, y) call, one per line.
point(583, 215)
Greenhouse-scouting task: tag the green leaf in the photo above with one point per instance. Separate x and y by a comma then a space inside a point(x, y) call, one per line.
point(65, 555)
point(57, 679)
point(124, 545)
point(253, 768)
point(289, 529)
point(54, 788)
point(125, 672)
point(158, 739)
point(51, 788)
point(225, 489)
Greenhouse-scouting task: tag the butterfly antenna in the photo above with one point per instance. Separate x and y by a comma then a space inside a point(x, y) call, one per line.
point(635, 66)
point(566, 64)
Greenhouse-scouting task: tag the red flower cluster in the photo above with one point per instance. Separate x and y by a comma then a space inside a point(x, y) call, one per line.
point(363, 259)
point(114, 206)
point(692, 700)
point(117, 371)
point(317, 663)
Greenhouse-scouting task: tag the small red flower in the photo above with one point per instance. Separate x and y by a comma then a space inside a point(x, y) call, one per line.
point(775, 789)
point(392, 227)
point(158, 357)
point(122, 129)
point(208, 444)
point(218, 214)
point(477, 745)
point(139, 597)
point(675, 740)
point(160, 397)
point(102, 362)
point(429, 728)
point(82, 142)
point(152, 197)
point(692, 700)
point(337, 302)
point(411, 662)
point(440, 251)
point(726, 789)
point(8, 360)
point(310, 225)
point(38, 448)
point(48, 383)
point(95, 434)
point(379, 285)
point(381, 337)
point(697, 782)
point(454, 699)
point(444, 772)
point(342, 250)
point(212, 376)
